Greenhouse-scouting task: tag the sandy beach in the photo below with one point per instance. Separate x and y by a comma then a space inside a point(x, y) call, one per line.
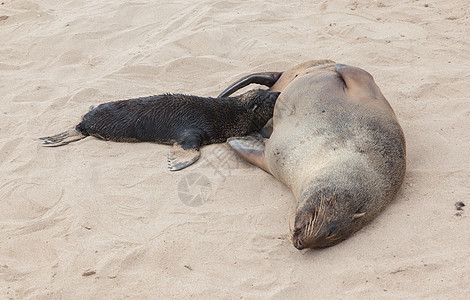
point(104, 220)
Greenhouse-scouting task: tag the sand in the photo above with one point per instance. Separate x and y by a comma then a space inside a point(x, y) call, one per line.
point(104, 220)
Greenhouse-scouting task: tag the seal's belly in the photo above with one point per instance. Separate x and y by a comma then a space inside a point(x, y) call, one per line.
point(290, 153)
point(311, 140)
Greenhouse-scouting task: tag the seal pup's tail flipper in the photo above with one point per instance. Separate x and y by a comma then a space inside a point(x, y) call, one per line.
point(250, 149)
point(266, 78)
point(62, 138)
point(179, 158)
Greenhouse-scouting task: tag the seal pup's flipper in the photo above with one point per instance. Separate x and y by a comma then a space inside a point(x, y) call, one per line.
point(179, 158)
point(267, 130)
point(266, 78)
point(250, 149)
point(62, 138)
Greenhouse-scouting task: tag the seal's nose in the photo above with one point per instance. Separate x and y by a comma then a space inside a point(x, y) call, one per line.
point(299, 245)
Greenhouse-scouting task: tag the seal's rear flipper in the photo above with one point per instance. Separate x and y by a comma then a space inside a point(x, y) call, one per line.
point(179, 158)
point(62, 138)
point(266, 78)
point(250, 149)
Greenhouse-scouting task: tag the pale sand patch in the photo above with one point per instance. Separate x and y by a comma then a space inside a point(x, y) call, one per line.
point(102, 220)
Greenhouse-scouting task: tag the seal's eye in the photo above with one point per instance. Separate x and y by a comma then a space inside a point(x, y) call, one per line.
point(297, 230)
point(299, 245)
point(332, 230)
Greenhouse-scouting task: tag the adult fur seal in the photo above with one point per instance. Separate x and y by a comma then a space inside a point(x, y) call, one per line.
point(336, 143)
point(187, 122)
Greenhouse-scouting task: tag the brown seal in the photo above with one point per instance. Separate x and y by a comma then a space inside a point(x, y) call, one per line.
point(187, 122)
point(337, 144)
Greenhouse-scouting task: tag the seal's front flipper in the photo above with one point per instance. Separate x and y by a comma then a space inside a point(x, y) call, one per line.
point(250, 149)
point(179, 158)
point(62, 138)
point(266, 78)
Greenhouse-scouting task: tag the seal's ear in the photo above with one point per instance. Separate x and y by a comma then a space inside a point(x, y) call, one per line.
point(359, 82)
point(358, 216)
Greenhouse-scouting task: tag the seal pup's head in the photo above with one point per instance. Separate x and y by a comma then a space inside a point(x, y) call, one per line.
point(261, 104)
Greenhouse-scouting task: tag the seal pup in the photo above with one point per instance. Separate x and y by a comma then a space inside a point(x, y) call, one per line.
point(337, 144)
point(186, 122)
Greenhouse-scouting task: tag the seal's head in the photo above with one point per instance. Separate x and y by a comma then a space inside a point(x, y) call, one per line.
point(325, 219)
point(261, 103)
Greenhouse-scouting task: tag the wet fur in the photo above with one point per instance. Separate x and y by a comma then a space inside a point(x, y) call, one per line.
point(190, 121)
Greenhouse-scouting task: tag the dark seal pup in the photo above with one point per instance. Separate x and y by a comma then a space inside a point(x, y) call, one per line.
point(186, 122)
point(336, 143)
